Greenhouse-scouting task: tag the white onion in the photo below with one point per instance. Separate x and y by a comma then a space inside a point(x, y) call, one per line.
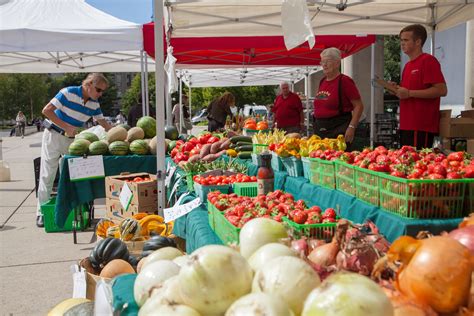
point(153, 275)
point(166, 293)
point(181, 260)
point(259, 304)
point(264, 254)
point(213, 278)
point(289, 278)
point(166, 253)
point(258, 232)
point(170, 310)
point(346, 293)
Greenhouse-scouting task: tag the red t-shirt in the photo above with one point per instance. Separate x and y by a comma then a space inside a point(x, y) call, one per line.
point(421, 114)
point(287, 111)
point(326, 103)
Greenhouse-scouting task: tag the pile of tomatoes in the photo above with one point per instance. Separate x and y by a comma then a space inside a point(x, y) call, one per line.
point(222, 180)
point(240, 209)
point(138, 179)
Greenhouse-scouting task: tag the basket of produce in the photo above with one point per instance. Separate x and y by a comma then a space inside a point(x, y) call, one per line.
point(245, 188)
point(345, 177)
point(242, 145)
point(367, 185)
point(313, 223)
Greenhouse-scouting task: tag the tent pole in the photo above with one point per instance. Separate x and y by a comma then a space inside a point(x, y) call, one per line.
point(189, 100)
point(160, 106)
point(142, 81)
point(147, 97)
point(181, 114)
point(372, 95)
point(306, 92)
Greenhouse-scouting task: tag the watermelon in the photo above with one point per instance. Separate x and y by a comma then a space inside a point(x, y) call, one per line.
point(79, 147)
point(118, 148)
point(88, 136)
point(98, 148)
point(148, 125)
point(171, 132)
point(139, 147)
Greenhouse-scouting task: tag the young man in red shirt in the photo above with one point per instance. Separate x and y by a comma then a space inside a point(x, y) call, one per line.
point(420, 90)
point(288, 110)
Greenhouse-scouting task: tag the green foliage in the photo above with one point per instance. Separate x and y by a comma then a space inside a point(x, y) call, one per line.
point(133, 94)
point(392, 58)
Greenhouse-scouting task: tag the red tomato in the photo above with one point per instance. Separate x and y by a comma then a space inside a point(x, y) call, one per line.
point(300, 217)
point(212, 140)
point(329, 213)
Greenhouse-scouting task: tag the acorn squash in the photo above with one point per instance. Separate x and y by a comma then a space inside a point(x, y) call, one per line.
point(107, 250)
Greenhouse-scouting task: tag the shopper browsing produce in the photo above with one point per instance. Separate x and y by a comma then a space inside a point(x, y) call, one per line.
point(288, 110)
point(219, 110)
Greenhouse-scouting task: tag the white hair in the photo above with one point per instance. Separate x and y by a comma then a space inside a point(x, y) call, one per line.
point(332, 53)
point(283, 83)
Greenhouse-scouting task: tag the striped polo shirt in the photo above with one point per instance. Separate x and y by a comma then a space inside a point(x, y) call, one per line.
point(71, 109)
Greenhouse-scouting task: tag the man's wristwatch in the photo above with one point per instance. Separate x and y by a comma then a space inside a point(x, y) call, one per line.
point(352, 126)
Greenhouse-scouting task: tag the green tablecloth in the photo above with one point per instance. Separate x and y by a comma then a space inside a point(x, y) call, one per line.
point(73, 194)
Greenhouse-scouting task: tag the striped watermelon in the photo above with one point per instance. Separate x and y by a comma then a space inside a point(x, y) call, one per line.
point(139, 147)
point(118, 148)
point(88, 135)
point(79, 147)
point(98, 148)
point(148, 125)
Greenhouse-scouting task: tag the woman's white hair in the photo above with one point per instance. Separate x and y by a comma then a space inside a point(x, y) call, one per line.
point(332, 53)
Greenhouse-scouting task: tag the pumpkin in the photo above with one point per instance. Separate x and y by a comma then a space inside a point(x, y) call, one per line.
point(116, 267)
point(250, 125)
point(107, 250)
point(139, 216)
point(250, 120)
point(102, 227)
point(157, 242)
point(262, 125)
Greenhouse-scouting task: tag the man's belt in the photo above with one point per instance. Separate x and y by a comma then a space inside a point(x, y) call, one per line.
point(52, 127)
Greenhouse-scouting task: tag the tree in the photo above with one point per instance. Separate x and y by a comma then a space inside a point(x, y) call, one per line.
point(392, 58)
point(134, 93)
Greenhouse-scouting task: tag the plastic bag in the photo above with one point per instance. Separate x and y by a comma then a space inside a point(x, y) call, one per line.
point(296, 24)
point(98, 130)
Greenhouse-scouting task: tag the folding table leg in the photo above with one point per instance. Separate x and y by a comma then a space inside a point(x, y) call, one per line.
point(74, 223)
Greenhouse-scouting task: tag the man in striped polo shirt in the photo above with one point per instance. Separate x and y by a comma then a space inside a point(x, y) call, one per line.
point(65, 113)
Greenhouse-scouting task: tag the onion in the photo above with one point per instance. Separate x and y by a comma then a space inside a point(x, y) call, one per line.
point(438, 274)
point(181, 260)
point(169, 310)
point(465, 236)
point(346, 293)
point(258, 232)
point(325, 255)
point(264, 254)
point(404, 306)
point(213, 278)
point(166, 253)
point(153, 275)
point(289, 278)
point(467, 221)
point(165, 293)
point(259, 304)
point(300, 246)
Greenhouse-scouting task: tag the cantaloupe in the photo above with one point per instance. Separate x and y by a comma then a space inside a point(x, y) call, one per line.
point(135, 133)
point(152, 145)
point(116, 267)
point(73, 306)
point(117, 133)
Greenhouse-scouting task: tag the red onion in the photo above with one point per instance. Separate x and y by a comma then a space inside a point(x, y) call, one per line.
point(300, 246)
point(465, 236)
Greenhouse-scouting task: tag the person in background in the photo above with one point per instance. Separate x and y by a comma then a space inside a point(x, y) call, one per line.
point(38, 122)
point(21, 123)
point(136, 111)
point(288, 110)
point(120, 118)
point(187, 125)
point(420, 90)
point(337, 105)
point(65, 113)
point(218, 111)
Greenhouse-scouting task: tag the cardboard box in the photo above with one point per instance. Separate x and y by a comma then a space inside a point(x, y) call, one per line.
point(462, 127)
point(144, 193)
point(468, 113)
point(115, 212)
point(470, 146)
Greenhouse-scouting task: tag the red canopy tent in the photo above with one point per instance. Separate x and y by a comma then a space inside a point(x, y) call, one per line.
point(253, 51)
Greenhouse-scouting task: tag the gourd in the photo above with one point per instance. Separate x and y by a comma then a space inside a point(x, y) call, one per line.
point(107, 250)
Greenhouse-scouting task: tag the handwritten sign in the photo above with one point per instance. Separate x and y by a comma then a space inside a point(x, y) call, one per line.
point(125, 196)
point(91, 167)
point(175, 212)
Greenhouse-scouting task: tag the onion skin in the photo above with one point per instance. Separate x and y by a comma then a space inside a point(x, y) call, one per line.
point(404, 306)
point(465, 236)
point(325, 255)
point(438, 274)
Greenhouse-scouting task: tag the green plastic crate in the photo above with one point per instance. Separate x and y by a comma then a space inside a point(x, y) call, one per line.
point(422, 198)
point(367, 185)
point(203, 190)
point(48, 217)
point(277, 164)
point(251, 132)
point(327, 172)
point(345, 177)
point(246, 188)
point(315, 177)
point(323, 231)
point(211, 212)
point(470, 197)
point(227, 232)
point(259, 148)
point(306, 167)
point(293, 166)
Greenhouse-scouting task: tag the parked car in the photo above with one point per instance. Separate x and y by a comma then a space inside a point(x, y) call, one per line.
point(254, 110)
point(201, 116)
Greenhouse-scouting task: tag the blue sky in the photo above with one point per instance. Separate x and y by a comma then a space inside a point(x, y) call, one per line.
point(137, 11)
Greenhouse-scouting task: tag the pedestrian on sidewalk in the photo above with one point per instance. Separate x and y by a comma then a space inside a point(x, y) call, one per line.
point(21, 123)
point(65, 113)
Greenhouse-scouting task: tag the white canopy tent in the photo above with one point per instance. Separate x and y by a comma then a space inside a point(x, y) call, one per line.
point(60, 36)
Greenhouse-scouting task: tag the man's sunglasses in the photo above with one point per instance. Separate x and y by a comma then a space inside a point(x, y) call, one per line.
point(99, 90)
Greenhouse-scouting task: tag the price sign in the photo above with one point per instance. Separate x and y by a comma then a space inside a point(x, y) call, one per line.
point(125, 196)
point(88, 168)
point(177, 211)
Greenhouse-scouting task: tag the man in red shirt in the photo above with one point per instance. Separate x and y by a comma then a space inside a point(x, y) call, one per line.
point(420, 90)
point(288, 110)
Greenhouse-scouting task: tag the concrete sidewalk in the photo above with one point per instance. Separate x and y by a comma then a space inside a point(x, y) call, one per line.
point(34, 266)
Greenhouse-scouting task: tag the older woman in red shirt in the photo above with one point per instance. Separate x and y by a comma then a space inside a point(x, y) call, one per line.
point(338, 105)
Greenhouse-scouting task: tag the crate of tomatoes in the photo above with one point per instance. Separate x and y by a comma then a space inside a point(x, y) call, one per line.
point(223, 183)
point(312, 222)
